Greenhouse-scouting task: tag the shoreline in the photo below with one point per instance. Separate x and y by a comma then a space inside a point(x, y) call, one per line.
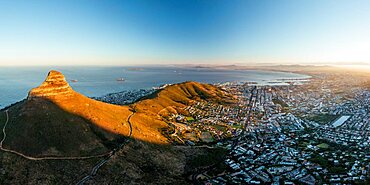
point(258, 81)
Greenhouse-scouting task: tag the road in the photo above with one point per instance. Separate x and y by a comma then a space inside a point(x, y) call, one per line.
point(104, 161)
point(196, 146)
point(4, 133)
point(251, 104)
point(40, 158)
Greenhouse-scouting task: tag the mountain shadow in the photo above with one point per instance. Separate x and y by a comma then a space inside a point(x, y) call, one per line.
point(56, 121)
point(39, 128)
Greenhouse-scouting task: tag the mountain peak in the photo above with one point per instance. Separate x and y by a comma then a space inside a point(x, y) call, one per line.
point(55, 84)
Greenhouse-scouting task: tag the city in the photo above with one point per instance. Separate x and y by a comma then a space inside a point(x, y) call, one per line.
point(284, 134)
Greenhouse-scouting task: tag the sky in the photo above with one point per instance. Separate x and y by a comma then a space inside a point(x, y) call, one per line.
point(109, 32)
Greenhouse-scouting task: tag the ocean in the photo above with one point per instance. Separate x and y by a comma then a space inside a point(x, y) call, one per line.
point(15, 82)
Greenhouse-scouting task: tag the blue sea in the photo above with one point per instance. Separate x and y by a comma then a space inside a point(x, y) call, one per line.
point(15, 82)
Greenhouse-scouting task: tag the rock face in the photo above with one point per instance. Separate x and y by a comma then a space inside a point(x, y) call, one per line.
point(54, 85)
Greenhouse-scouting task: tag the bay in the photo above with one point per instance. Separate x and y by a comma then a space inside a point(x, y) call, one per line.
point(15, 82)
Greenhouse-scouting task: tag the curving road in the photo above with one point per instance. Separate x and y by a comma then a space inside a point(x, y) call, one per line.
point(40, 158)
point(4, 134)
point(102, 162)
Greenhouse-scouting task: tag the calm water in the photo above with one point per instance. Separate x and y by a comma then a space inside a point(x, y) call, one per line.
point(97, 81)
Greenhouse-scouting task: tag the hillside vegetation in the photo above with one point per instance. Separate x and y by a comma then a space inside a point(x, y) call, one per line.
point(57, 121)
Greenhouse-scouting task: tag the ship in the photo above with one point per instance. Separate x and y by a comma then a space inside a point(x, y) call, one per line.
point(74, 80)
point(121, 79)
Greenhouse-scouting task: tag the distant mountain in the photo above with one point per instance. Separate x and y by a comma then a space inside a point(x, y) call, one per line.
point(57, 121)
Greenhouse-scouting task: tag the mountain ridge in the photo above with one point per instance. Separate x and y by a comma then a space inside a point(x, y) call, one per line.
point(56, 120)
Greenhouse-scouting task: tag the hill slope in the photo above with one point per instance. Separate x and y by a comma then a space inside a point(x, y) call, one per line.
point(147, 119)
point(57, 121)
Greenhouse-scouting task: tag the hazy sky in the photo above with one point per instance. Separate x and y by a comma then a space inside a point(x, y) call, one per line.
point(108, 32)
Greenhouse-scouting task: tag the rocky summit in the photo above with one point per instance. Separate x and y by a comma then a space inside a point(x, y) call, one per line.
point(59, 135)
point(55, 120)
point(54, 85)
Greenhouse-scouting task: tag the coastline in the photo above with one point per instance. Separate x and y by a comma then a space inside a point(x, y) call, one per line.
point(99, 85)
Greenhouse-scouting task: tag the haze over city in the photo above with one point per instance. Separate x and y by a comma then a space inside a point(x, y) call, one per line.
point(184, 32)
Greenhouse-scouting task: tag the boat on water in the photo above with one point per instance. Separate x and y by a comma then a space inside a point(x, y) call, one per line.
point(121, 79)
point(74, 80)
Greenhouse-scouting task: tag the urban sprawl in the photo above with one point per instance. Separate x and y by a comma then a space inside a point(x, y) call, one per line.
point(311, 133)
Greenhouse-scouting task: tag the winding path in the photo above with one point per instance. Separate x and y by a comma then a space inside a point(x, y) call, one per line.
point(40, 158)
point(93, 172)
point(102, 162)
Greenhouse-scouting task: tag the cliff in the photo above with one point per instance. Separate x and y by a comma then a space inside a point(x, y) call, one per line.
point(54, 85)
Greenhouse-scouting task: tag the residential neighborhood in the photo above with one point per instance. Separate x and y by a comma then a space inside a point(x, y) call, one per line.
point(312, 133)
point(303, 132)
